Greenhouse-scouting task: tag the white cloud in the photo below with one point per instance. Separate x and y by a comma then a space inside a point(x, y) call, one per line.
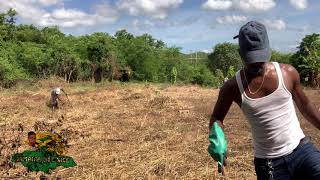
point(217, 5)
point(25, 8)
point(299, 4)
point(68, 14)
point(231, 19)
point(247, 6)
point(207, 51)
point(253, 5)
point(106, 10)
point(73, 18)
point(153, 8)
point(49, 2)
point(277, 24)
point(33, 12)
point(301, 29)
point(135, 24)
point(142, 25)
point(293, 46)
point(174, 23)
point(148, 23)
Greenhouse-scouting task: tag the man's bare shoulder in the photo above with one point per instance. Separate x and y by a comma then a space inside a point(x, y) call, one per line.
point(289, 71)
point(287, 67)
point(230, 85)
point(290, 75)
point(230, 91)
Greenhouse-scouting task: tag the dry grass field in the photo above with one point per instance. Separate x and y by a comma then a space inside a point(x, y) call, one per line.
point(129, 131)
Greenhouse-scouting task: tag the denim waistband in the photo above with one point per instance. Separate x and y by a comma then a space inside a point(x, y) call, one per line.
point(303, 141)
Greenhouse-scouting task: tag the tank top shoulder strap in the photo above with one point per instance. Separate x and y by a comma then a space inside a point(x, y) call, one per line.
point(279, 73)
point(281, 83)
point(239, 82)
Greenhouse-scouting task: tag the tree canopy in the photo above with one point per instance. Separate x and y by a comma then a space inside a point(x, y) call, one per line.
point(307, 59)
point(28, 52)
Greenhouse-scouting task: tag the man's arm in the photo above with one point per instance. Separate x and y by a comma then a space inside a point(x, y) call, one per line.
point(218, 144)
point(223, 104)
point(58, 97)
point(64, 91)
point(305, 106)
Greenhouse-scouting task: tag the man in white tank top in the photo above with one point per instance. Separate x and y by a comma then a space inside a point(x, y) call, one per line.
point(266, 93)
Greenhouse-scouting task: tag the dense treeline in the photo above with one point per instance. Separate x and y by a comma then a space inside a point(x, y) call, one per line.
point(28, 52)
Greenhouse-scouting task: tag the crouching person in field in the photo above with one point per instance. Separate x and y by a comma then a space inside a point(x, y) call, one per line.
point(266, 91)
point(55, 98)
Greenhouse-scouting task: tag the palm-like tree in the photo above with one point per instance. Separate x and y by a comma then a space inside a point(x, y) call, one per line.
point(309, 52)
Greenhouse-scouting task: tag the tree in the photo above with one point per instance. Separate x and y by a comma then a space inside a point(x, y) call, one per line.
point(67, 63)
point(139, 55)
point(99, 54)
point(10, 69)
point(51, 36)
point(29, 33)
point(123, 35)
point(28, 52)
point(219, 74)
point(33, 58)
point(11, 21)
point(174, 74)
point(123, 42)
point(223, 56)
point(7, 24)
point(203, 76)
point(307, 59)
point(280, 57)
point(231, 72)
point(169, 58)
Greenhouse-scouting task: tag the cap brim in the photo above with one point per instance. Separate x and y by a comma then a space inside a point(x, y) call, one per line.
point(261, 55)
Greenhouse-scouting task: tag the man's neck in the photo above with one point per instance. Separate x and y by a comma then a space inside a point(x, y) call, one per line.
point(253, 74)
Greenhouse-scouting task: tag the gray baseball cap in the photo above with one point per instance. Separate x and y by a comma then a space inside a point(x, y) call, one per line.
point(254, 43)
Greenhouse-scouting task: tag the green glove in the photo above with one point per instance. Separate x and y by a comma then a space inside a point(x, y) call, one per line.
point(218, 144)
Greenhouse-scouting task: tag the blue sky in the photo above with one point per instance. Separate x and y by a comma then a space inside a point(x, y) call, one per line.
point(193, 25)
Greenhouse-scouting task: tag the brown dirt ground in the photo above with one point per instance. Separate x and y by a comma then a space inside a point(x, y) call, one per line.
point(130, 131)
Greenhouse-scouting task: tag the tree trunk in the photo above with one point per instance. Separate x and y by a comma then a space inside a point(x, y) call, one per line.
point(311, 79)
point(70, 75)
point(98, 75)
point(93, 69)
point(317, 80)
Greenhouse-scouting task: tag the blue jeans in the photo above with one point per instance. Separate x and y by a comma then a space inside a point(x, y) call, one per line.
point(303, 163)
